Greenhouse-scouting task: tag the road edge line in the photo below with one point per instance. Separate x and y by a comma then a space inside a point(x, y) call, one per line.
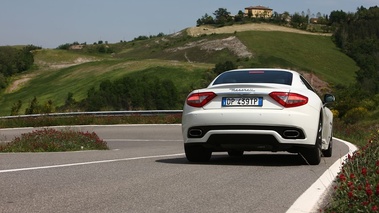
point(311, 199)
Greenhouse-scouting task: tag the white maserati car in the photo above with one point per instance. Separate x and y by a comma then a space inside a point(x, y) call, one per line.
point(257, 110)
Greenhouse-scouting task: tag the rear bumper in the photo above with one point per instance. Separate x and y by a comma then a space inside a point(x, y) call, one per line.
point(250, 130)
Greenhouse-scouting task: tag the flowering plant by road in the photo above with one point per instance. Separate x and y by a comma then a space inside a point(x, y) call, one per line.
point(52, 140)
point(356, 187)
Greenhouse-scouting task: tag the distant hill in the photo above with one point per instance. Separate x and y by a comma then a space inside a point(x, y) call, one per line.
point(208, 30)
point(183, 57)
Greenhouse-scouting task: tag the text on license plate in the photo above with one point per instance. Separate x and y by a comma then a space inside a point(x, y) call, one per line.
point(242, 101)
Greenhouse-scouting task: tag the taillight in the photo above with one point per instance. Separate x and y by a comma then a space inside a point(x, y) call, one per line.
point(200, 99)
point(288, 99)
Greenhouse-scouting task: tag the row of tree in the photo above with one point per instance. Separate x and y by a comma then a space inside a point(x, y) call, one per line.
point(357, 35)
point(15, 60)
point(222, 17)
point(123, 94)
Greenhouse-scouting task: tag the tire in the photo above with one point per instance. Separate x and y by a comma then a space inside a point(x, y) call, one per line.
point(197, 153)
point(329, 151)
point(313, 155)
point(235, 153)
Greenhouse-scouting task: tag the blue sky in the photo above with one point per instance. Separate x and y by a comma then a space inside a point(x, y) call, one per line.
point(50, 23)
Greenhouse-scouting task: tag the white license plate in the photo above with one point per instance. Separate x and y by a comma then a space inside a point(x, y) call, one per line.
point(242, 101)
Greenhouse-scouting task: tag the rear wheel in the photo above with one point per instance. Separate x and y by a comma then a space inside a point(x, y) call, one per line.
point(329, 151)
point(197, 153)
point(313, 155)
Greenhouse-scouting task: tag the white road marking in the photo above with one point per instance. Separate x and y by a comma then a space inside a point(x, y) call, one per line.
point(88, 163)
point(143, 140)
point(310, 200)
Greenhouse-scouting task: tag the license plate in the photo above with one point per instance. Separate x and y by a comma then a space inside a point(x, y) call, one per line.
point(242, 101)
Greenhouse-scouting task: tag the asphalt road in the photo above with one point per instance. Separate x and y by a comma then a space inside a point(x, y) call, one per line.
point(146, 171)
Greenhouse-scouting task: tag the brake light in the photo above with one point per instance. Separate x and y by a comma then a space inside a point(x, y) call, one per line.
point(288, 99)
point(200, 99)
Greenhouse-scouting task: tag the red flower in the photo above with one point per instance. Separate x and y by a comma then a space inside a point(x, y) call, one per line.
point(374, 208)
point(377, 163)
point(342, 177)
point(368, 192)
point(364, 171)
point(352, 176)
point(350, 194)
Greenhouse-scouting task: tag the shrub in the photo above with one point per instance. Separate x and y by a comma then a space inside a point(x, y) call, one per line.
point(356, 187)
point(355, 114)
point(51, 140)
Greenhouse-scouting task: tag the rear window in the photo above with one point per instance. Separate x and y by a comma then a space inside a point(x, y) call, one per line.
point(255, 76)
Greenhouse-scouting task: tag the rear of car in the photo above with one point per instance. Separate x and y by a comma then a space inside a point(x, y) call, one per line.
point(252, 110)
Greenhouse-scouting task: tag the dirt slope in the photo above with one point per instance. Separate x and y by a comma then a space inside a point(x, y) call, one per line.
point(197, 31)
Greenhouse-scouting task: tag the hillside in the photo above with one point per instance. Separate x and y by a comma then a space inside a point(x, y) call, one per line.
point(208, 30)
point(185, 58)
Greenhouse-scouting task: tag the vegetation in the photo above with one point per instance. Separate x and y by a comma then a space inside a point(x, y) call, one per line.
point(357, 185)
point(78, 80)
point(356, 188)
point(55, 86)
point(358, 37)
point(136, 75)
point(51, 140)
point(88, 120)
point(297, 20)
point(14, 60)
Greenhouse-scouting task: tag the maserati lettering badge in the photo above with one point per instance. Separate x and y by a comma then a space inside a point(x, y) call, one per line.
point(242, 89)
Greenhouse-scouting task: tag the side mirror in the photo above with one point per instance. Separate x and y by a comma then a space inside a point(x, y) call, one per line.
point(328, 98)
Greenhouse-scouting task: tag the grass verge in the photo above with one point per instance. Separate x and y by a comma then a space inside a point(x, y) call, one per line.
point(44, 121)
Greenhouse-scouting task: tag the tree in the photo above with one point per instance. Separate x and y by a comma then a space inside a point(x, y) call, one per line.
point(14, 60)
point(206, 19)
point(358, 36)
point(286, 17)
point(16, 107)
point(299, 21)
point(48, 107)
point(239, 17)
point(222, 67)
point(34, 107)
point(3, 81)
point(70, 103)
point(337, 17)
point(24, 59)
point(222, 16)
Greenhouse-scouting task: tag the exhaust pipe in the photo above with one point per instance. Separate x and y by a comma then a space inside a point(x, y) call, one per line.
point(291, 133)
point(195, 133)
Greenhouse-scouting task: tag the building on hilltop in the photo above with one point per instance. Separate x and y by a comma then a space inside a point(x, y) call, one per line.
point(258, 12)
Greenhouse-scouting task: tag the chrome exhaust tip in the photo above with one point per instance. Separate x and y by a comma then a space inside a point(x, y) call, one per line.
point(291, 133)
point(195, 133)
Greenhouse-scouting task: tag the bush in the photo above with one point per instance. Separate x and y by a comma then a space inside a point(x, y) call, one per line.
point(51, 140)
point(354, 115)
point(356, 188)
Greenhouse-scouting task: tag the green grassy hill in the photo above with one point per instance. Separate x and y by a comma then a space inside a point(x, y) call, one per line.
point(179, 57)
